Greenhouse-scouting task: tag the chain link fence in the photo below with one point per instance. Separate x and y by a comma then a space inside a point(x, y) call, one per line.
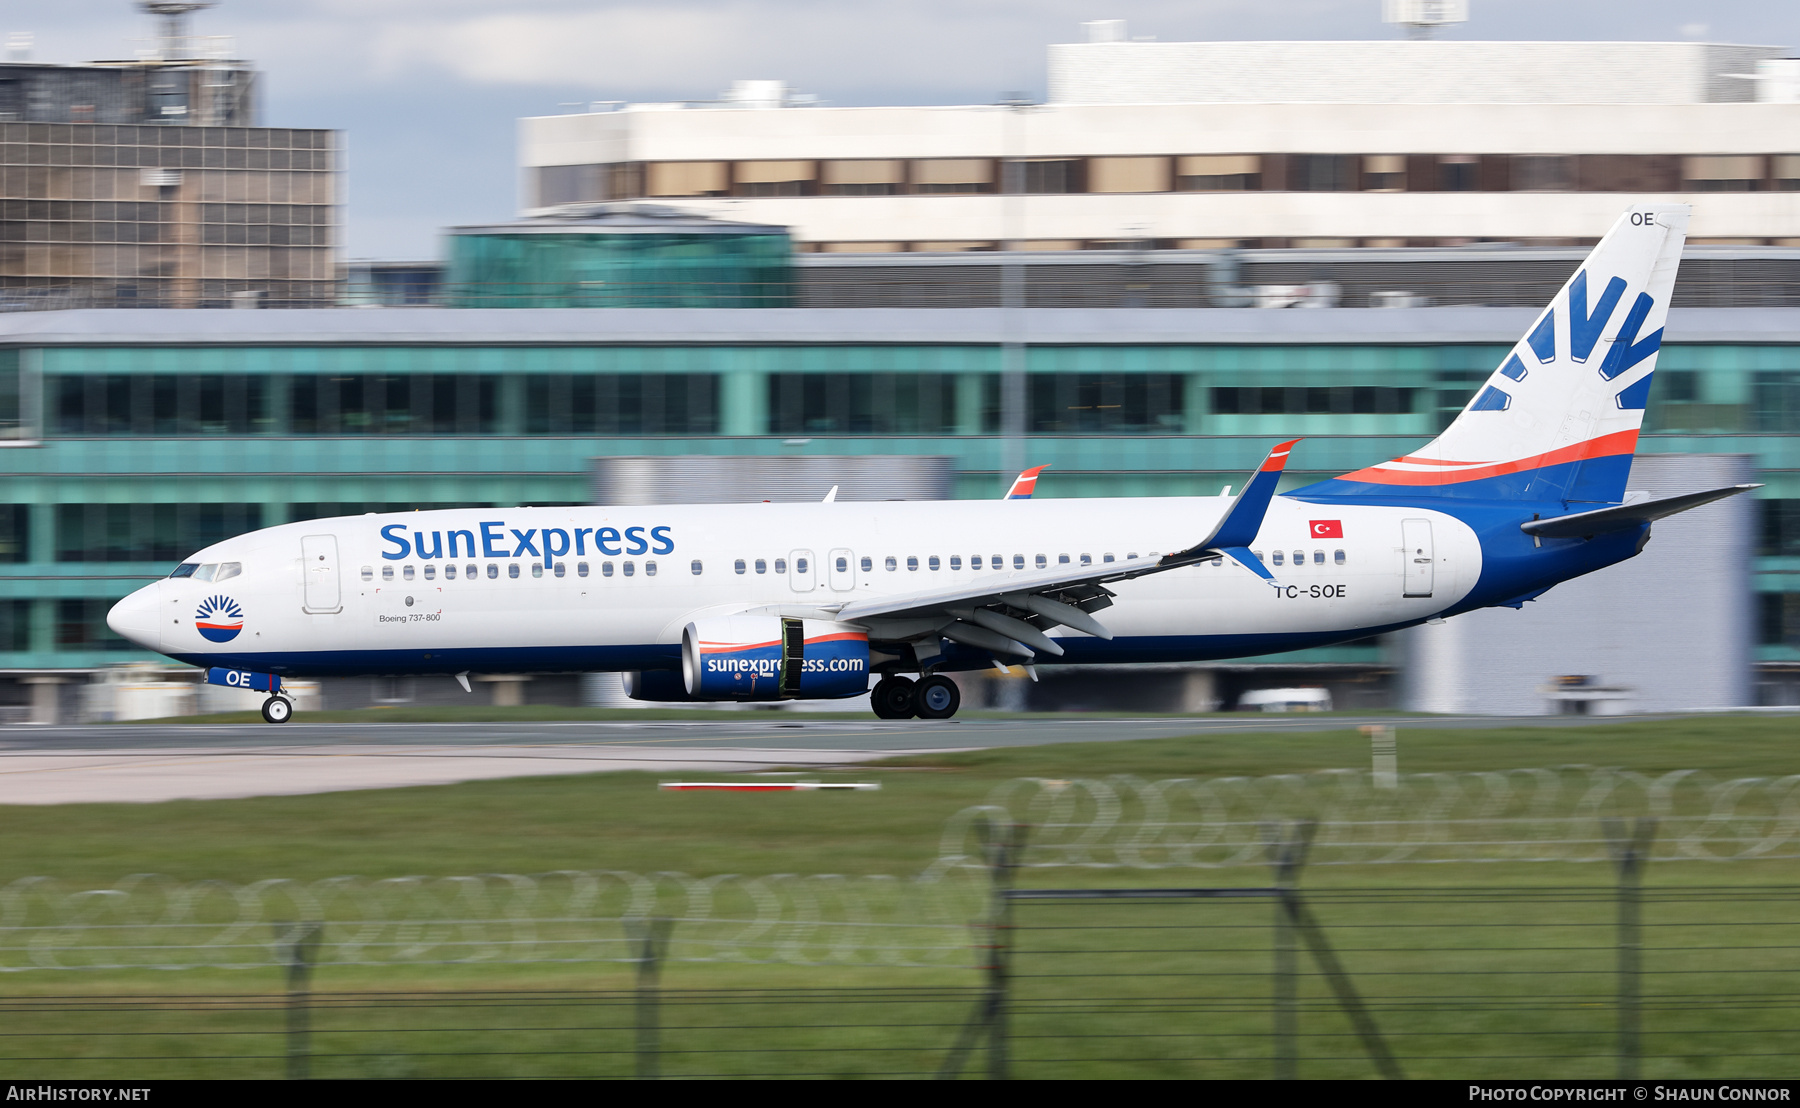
point(1046, 941)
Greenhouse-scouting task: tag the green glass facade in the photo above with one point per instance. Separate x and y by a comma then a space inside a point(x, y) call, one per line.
point(712, 269)
point(141, 451)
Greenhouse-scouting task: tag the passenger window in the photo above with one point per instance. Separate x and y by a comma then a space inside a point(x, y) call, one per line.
point(1219, 561)
point(762, 566)
point(1133, 554)
point(912, 562)
point(512, 570)
point(1278, 557)
point(228, 569)
point(606, 569)
point(1338, 557)
point(449, 572)
point(998, 561)
point(406, 573)
point(1042, 561)
point(186, 569)
point(493, 571)
point(780, 565)
point(933, 563)
point(974, 561)
point(629, 568)
point(368, 573)
point(537, 570)
point(430, 572)
point(891, 564)
point(696, 567)
point(649, 568)
point(1299, 557)
point(843, 565)
point(1062, 559)
point(1087, 559)
point(562, 569)
point(1258, 554)
point(868, 563)
point(1318, 557)
point(956, 562)
point(1018, 561)
point(387, 573)
point(1106, 557)
point(738, 567)
point(472, 571)
point(581, 569)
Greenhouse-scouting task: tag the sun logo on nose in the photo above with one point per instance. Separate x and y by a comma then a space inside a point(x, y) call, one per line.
point(219, 618)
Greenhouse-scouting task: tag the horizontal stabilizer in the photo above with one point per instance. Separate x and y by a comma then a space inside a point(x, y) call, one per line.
point(1625, 516)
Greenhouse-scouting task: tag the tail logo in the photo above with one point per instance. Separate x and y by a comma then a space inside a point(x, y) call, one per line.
point(219, 619)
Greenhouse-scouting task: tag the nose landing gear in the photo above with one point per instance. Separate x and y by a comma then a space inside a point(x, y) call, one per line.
point(277, 709)
point(936, 697)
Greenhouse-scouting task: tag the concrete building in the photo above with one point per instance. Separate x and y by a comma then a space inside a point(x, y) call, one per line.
point(145, 435)
point(147, 183)
point(1210, 145)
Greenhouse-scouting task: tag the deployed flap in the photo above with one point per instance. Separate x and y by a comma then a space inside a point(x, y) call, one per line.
point(1625, 516)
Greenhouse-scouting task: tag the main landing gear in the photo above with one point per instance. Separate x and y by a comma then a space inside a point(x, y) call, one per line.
point(935, 697)
point(277, 709)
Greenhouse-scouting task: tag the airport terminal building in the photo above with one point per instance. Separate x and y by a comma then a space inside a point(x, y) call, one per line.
point(141, 436)
point(828, 285)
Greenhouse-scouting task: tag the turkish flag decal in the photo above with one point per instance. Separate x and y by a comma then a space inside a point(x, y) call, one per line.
point(1327, 528)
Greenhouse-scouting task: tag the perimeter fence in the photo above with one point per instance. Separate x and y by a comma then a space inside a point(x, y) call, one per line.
point(1047, 941)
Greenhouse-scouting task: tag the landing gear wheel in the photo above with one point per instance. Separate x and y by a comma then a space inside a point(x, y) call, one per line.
point(893, 698)
point(936, 698)
point(277, 709)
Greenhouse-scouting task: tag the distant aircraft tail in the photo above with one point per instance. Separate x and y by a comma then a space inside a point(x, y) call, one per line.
point(1559, 419)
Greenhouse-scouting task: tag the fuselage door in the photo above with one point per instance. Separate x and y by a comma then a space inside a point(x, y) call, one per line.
point(319, 572)
point(801, 571)
point(1419, 558)
point(843, 570)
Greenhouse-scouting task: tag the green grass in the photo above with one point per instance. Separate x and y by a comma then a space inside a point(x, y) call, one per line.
point(621, 821)
point(1489, 982)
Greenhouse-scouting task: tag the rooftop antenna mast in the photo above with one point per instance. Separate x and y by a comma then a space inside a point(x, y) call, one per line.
point(175, 44)
point(1423, 19)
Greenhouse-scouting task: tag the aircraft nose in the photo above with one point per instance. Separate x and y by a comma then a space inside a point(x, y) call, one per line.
point(138, 617)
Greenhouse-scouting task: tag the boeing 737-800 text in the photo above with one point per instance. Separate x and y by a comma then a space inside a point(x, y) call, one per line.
point(1525, 489)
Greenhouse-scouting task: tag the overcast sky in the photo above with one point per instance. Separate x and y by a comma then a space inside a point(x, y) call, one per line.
point(427, 91)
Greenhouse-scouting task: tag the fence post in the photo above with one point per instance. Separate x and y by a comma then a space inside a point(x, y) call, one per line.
point(297, 943)
point(1002, 845)
point(1287, 851)
point(1004, 852)
point(651, 939)
point(1630, 850)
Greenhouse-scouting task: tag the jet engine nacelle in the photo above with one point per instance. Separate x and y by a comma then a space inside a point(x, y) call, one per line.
point(773, 658)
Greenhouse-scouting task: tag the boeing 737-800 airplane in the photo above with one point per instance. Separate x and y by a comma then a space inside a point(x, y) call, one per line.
point(1526, 489)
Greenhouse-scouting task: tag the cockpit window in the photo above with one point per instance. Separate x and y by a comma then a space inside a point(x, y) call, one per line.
point(205, 572)
point(185, 569)
point(228, 569)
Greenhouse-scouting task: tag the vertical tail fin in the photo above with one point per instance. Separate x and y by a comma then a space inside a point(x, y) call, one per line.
point(1559, 419)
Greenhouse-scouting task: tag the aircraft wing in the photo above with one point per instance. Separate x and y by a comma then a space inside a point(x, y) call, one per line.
point(1008, 612)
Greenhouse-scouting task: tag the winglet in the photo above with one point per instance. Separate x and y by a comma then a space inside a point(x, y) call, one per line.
point(831, 497)
point(1243, 519)
point(1024, 484)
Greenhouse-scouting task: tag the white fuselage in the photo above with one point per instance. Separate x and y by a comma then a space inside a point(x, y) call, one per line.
point(382, 593)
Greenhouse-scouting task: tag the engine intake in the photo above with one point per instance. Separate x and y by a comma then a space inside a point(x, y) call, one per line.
point(773, 658)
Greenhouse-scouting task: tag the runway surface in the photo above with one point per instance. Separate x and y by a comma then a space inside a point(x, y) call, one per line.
point(145, 763)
